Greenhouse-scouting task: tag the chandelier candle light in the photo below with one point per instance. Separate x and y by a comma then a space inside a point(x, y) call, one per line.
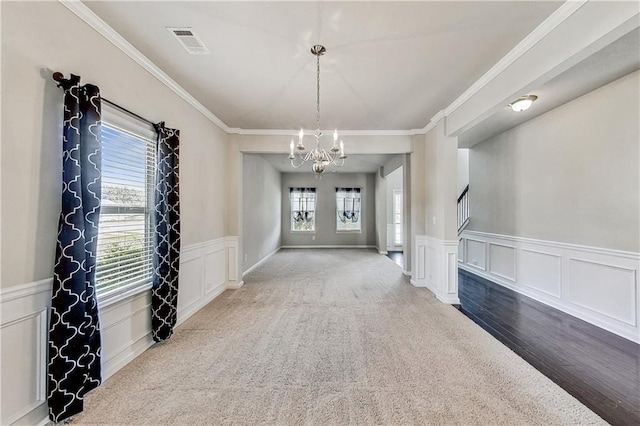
point(319, 156)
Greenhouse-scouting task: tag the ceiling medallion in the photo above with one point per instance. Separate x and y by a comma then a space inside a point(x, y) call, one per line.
point(319, 157)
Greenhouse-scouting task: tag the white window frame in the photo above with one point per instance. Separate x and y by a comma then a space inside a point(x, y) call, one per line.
point(292, 209)
point(125, 123)
point(397, 209)
point(338, 210)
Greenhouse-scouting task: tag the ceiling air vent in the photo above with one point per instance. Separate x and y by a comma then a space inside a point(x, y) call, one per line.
point(189, 40)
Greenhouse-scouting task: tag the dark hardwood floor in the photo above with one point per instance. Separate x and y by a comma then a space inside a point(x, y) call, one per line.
point(397, 257)
point(599, 368)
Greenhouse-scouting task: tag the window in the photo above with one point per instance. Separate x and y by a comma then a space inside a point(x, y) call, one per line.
point(125, 236)
point(303, 209)
point(397, 217)
point(348, 209)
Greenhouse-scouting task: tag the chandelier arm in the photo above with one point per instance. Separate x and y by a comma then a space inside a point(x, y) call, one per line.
point(338, 162)
point(293, 164)
point(319, 156)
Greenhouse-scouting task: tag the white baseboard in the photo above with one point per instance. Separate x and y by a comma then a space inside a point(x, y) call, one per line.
point(406, 273)
point(597, 285)
point(383, 252)
point(131, 353)
point(436, 267)
point(331, 247)
point(235, 285)
point(260, 262)
point(206, 270)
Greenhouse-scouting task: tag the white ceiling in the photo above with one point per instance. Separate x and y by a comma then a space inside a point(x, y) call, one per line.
point(389, 65)
point(606, 65)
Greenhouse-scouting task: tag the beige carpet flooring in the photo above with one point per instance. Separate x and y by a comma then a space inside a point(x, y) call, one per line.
point(330, 337)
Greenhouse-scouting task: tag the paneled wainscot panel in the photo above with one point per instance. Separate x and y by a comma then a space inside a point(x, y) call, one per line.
point(436, 267)
point(23, 365)
point(502, 261)
point(476, 253)
point(541, 271)
point(191, 285)
point(597, 285)
point(214, 270)
point(206, 270)
point(605, 289)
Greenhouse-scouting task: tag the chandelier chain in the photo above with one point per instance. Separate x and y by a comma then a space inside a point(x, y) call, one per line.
point(318, 91)
point(318, 156)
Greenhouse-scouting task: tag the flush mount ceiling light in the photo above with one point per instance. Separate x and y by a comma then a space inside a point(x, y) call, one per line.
point(318, 156)
point(523, 103)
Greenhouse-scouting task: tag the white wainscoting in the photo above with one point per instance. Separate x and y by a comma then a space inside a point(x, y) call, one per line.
point(436, 267)
point(597, 285)
point(206, 270)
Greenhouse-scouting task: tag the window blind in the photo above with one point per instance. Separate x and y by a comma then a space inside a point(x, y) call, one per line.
point(125, 236)
point(348, 209)
point(303, 207)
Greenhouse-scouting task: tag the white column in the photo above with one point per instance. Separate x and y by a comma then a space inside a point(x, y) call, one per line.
point(436, 252)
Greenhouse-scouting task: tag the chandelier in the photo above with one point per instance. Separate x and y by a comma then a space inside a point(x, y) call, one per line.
point(318, 156)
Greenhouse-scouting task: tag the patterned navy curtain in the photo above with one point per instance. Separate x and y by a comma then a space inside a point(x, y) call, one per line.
point(166, 262)
point(74, 330)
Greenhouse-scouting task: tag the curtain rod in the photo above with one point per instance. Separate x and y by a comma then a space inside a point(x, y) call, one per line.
point(59, 78)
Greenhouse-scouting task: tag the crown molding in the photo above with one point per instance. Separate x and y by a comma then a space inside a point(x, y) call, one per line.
point(104, 29)
point(285, 132)
point(567, 9)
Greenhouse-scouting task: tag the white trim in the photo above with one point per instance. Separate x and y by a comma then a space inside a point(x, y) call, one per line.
point(287, 132)
point(550, 302)
point(261, 261)
point(547, 26)
point(406, 273)
point(124, 336)
point(383, 252)
point(117, 297)
point(198, 246)
point(104, 29)
point(24, 290)
point(135, 349)
point(193, 308)
point(448, 298)
point(232, 286)
point(603, 310)
point(331, 247)
point(590, 249)
point(435, 266)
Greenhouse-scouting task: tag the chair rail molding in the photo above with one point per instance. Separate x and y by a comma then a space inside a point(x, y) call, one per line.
point(597, 285)
point(206, 270)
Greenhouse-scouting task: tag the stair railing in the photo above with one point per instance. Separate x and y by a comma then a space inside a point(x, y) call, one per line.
point(463, 209)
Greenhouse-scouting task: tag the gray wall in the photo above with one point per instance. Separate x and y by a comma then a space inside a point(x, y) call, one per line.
point(394, 181)
point(570, 175)
point(381, 211)
point(41, 37)
point(262, 212)
point(440, 181)
point(326, 209)
point(463, 169)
